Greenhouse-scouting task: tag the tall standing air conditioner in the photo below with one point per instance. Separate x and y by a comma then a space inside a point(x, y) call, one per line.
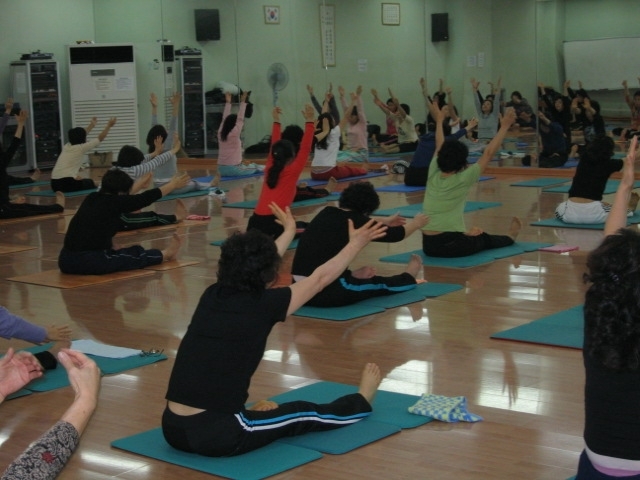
point(102, 80)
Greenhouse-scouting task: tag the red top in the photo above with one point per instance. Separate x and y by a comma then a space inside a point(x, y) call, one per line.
point(285, 190)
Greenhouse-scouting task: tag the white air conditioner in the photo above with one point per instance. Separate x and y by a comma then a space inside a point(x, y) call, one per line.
point(102, 79)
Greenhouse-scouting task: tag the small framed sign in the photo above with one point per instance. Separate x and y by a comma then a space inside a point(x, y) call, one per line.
point(391, 14)
point(271, 14)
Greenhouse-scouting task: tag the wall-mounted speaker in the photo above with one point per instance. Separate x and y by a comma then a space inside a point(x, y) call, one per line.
point(167, 53)
point(207, 24)
point(439, 27)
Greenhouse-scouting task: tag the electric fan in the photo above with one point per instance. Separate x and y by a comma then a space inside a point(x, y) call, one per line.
point(278, 77)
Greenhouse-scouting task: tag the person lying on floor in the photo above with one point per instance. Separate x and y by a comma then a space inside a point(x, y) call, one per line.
point(209, 385)
point(88, 244)
point(327, 234)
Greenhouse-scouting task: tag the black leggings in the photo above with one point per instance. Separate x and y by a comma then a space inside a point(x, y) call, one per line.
point(68, 184)
point(135, 221)
point(458, 244)
point(225, 434)
point(19, 210)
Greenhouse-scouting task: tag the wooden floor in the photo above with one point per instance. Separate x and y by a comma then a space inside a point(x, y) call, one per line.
point(531, 396)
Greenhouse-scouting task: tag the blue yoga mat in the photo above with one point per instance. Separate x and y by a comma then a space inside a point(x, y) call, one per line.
point(541, 182)
point(194, 193)
point(32, 184)
point(388, 407)
point(208, 178)
point(264, 462)
point(380, 159)
point(610, 187)
point(292, 245)
point(314, 183)
point(249, 204)
point(401, 187)
point(57, 378)
point(484, 178)
point(338, 314)
point(474, 260)
point(557, 223)
point(51, 193)
point(410, 211)
point(562, 329)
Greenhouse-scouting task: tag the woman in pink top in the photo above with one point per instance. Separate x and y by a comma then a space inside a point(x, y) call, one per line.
point(357, 142)
point(230, 146)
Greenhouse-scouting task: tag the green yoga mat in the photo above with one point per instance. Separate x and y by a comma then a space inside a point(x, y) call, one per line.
point(610, 187)
point(481, 258)
point(338, 314)
point(264, 462)
point(194, 193)
point(57, 378)
point(292, 245)
point(541, 182)
point(562, 329)
point(32, 184)
point(388, 407)
point(51, 193)
point(409, 211)
point(557, 223)
point(304, 203)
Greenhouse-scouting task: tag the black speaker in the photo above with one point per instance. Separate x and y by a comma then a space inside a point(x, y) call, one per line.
point(439, 27)
point(207, 24)
point(167, 53)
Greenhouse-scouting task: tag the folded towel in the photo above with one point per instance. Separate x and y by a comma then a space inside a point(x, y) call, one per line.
point(445, 409)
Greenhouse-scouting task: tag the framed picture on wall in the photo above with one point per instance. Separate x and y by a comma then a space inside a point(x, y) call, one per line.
point(271, 14)
point(391, 14)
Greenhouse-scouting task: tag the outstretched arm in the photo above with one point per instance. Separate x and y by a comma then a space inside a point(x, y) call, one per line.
point(506, 121)
point(617, 218)
point(103, 134)
point(92, 123)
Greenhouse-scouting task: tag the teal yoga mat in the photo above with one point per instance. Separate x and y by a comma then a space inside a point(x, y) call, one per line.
point(541, 182)
point(264, 462)
point(314, 183)
point(51, 193)
point(562, 329)
point(23, 392)
point(57, 378)
point(388, 407)
point(338, 314)
point(194, 193)
point(401, 187)
point(250, 204)
point(410, 211)
point(29, 185)
point(610, 187)
point(481, 258)
point(207, 179)
point(292, 245)
point(557, 223)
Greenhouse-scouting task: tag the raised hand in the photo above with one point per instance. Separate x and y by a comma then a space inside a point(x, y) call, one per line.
point(370, 231)
point(153, 99)
point(283, 217)
point(309, 113)
point(16, 370)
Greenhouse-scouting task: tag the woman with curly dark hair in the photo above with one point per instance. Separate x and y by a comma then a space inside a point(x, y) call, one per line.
point(327, 234)
point(611, 348)
point(223, 346)
point(585, 204)
point(229, 144)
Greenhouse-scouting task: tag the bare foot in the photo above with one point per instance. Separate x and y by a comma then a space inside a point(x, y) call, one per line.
point(414, 266)
point(514, 229)
point(331, 185)
point(263, 406)
point(18, 199)
point(364, 272)
point(171, 251)
point(369, 382)
point(36, 175)
point(60, 200)
point(181, 210)
point(633, 201)
point(215, 180)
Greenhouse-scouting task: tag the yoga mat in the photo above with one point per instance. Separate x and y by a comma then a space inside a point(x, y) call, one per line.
point(304, 203)
point(562, 329)
point(541, 182)
point(194, 193)
point(23, 392)
point(292, 245)
point(57, 378)
point(388, 407)
point(484, 178)
point(381, 159)
point(399, 188)
point(32, 184)
point(338, 314)
point(557, 223)
point(4, 248)
point(57, 279)
point(474, 260)
point(208, 179)
point(51, 193)
point(410, 211)
point(264, 462)
point(47, 216)
point(610, 187)
point(314, 183)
